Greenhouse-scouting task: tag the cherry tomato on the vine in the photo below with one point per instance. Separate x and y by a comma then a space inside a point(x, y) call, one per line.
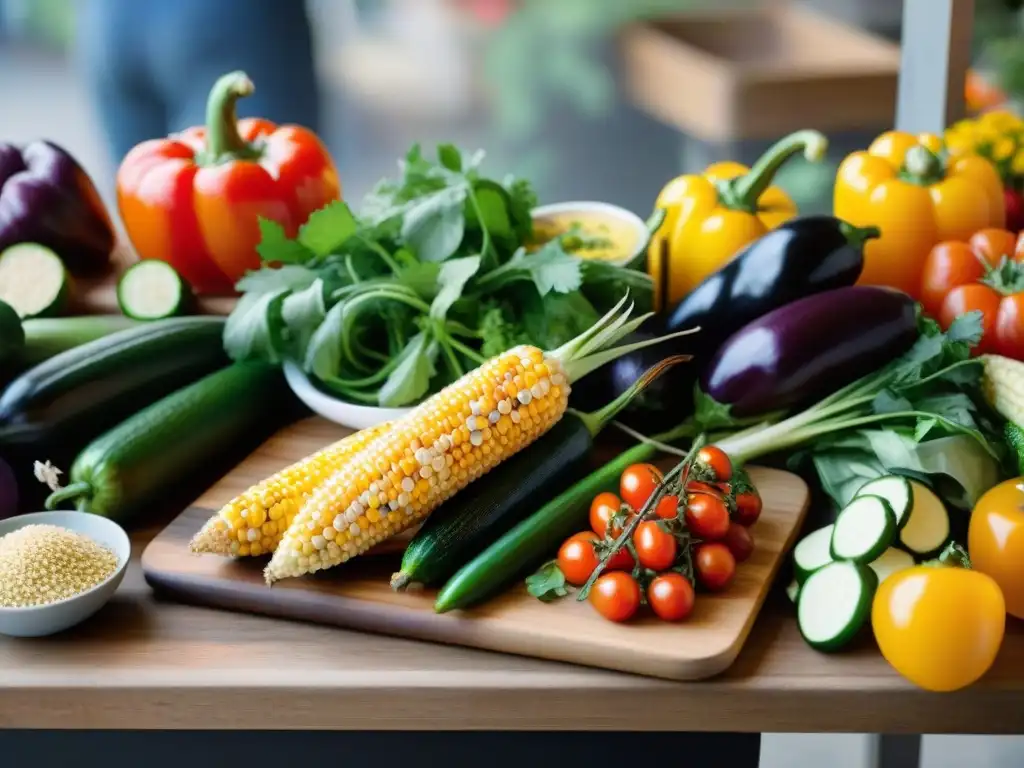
point(656, 549)
point(671, 596)
point(667, 508)
point(1009, 327)
point(707, 516)
point(638, 483)
point(602, 509)
point(992, 244)
point(621, 561)
point(739, 541)
point(715, 459)
point(748, 508)
point(715, 565)
point(948, 265)
point(576, 557)
point(715, 489)
point(616, 596)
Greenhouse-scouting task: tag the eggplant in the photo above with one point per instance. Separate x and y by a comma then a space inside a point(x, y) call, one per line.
point(47, 198)
point(810, 348)
point(802, 257)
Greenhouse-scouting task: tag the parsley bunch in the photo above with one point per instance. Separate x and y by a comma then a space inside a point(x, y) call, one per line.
point(432, 277)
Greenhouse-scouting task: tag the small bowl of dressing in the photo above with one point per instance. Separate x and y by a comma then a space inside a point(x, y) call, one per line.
point(593, 230)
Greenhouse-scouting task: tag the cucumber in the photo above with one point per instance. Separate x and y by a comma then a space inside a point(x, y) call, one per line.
point(834, 604)
point(33, 280)
point(147, 456)
point(151, 290)
point(863, 530)
point(12, 336)
point(52, 410)
point(46, 337)
point(927, 531)
point(812, 552)
point(895, 490)
point(891, 561)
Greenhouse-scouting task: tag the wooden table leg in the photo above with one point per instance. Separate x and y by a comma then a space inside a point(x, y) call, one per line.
point(896, 751)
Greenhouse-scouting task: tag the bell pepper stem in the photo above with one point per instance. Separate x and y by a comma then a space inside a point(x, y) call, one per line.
point(922, 165)
point(743, 193)
point(656, 220)
point(953, 556)
point(856, 236)
point(223, 141)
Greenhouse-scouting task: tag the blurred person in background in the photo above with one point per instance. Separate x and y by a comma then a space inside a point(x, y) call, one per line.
point(150, 63)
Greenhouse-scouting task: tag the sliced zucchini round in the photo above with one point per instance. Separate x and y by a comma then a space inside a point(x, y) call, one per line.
point(834, 604)
point(891, 561)
point(812, 552)
point(151, 290)
point(33, 280)
point(863, 530)
point(927, 530)
point(895, 490)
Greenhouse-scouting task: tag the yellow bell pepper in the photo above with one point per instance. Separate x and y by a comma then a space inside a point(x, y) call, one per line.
point(903, 187)
point(710, 217)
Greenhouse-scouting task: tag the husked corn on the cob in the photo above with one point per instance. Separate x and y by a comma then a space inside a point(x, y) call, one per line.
point(1003, 386)
point(253, 523)
point(426, 457)
point(442, 445)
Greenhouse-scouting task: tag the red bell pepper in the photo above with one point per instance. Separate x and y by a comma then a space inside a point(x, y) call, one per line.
point(194, 199)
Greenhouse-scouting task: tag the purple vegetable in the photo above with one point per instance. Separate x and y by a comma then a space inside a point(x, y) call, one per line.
point(810, 348)
point(47, 198)
point(8, 491)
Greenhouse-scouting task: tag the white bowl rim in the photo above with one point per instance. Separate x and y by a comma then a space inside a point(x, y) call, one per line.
point(31, 518)
point(611, 209)
point(295, 376)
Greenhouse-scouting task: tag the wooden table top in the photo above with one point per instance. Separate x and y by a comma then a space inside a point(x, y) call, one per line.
point(142, 663)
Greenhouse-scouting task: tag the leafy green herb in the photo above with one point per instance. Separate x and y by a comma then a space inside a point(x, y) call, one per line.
point(434, 226)
point(253, 330)
point(288, 277)
point(550, 269)
point(275, 245)
point(328, 229)
point(547, 583)
point(410, 380)
point(302, 312)
point(452, 279)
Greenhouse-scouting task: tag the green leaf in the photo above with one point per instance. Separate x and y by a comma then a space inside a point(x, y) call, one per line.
point(547, 583)
point(302, 314)
point(499, 330)
point(709, 414)
point(323, 352)
point(453, 276)
point(522, 201)
point(550, 269)
point(555, 318)
point(450, 157)
point(887, 401)
point(254, 328)
point(604, 284)
point(494, 205)
point(276, 246)
point(289, 277)
point(327, 229)
point(410, 380)
point(422, 277)
point(923, 427)
point(435, 225)
point(954, 406)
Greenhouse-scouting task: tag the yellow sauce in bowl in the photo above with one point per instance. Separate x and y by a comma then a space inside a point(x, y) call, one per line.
point(588, 234)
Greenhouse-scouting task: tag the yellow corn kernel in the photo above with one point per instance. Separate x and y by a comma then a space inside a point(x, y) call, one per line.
point(440, 454)
point(243, 521)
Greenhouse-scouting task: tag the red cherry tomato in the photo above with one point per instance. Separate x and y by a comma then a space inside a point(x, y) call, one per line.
point(715, 459)
point(667, 508)
point(655, 548)
point(967, 298)
point(715, 565)
point(616, 596)
point(714, 489)
point(576, 557)
point(706, 516)
point(947, 266)
point(671, 596)
point(621, 561)
point(748, 508)
point(993, 243)
point(739, 541)
point(638, 483)
point(1008, 334)
point(602, 509)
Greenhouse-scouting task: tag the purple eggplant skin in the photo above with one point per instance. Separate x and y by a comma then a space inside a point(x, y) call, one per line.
point(806, 350)
point(8, 491)
point(47, 198)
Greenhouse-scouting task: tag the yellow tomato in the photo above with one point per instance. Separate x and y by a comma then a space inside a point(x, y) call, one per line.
point(939, 626)
point(995, 540)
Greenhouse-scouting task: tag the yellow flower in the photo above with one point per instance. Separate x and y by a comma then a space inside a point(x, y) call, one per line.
point(1003, 148)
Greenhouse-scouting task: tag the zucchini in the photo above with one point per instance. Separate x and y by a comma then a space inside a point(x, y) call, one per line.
point(891, 561)
point(927, 531)
point(834, 604)
point(813, 551)
point(46, 337)
point(151, 290)
point(462, 527)
point(863, 530)
point(147, 456)
point(896, 491)
point(55, 408)
point(33, 280)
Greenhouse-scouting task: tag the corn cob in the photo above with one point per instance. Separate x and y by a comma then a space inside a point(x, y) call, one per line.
point(1002, 384)
point(253, 523)
point(441, 446)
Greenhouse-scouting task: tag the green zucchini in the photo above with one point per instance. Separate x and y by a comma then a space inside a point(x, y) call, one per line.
point(55, 408)
point(462, 527)
point(46, 337)
point(863, 530)
point(834, 604)
point(33, 280)
point(162, 446)
point(151, 290)
point(812, 552)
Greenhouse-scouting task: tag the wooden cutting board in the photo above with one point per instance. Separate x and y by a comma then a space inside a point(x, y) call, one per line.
point(357, 595)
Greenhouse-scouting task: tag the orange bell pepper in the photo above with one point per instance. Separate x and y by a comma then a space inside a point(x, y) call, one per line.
point(195, 199)
point(903, 187)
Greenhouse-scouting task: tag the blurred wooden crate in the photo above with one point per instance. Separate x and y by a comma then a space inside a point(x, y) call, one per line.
point(760, 73)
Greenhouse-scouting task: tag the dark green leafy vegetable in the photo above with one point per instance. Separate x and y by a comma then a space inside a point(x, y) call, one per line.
point(548, 583)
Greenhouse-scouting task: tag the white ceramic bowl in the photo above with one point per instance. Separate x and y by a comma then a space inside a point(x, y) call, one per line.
point(40, 620)
point(638, 225)
point(347, 414)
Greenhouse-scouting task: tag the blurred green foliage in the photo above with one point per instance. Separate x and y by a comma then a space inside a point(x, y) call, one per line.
point(48, 21)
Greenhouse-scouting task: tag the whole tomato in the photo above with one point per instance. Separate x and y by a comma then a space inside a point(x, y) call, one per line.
point(671, 596)
point(739, 541)
point(715, 459)
point(707, 516)
point(576, 557)
point(656, 549)
point(748, 508)
point(715, 565)
point(616, 596)
point(638, 483)
point(602, 509)
point(995, 541)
